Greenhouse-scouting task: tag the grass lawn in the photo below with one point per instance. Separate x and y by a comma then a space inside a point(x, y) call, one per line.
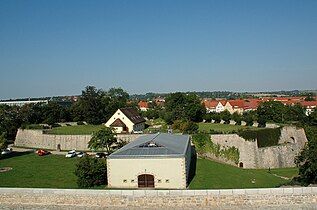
point(206, 127)
point(213, 175)
point(56, 171)
point(75, 130)
point(30, 170)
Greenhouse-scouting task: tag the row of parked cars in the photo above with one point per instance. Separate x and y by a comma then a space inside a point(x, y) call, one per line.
point(6, 151)
point(73, 153)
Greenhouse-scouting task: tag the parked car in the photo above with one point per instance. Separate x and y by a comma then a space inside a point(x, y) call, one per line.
point(71, 154)
point(81, 154)
point(6, 151)
point(42, 152)
point(100, 155)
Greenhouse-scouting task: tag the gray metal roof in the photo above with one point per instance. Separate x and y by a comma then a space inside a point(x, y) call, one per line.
point(154, 145)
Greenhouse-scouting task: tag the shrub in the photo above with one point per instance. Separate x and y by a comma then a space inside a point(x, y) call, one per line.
point(265, 137)
point(91, 172)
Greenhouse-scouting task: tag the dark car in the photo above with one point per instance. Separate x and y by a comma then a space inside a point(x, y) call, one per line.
point(100, 155)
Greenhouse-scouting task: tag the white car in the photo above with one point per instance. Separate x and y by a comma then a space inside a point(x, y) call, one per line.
point(6, 151)
point(71, 154)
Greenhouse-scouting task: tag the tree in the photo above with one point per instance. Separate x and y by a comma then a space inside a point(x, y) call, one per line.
point(3, 142)
point(237, 118)
point(102, 139)
point(181, 106)
point(273, 111)
point(90, 106)
point(91, 172)
point(225, 116)
point(185, 126)
point(307, 159)
point(249, 118)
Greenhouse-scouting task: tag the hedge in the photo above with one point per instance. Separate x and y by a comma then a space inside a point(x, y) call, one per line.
point(265, 137)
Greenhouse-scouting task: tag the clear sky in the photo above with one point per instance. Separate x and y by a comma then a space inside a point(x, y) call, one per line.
point(57, 47)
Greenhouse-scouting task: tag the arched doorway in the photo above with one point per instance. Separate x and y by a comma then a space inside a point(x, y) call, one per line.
point(145, 180)
point(241, 165)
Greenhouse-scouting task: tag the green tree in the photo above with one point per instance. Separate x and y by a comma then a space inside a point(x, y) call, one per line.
point(90, 106)
point(237, 118)
point(181, 106)
point(3, 142)
point(225, 116)
point(102, 139)
point(91, 172)
point(307, 159)
point(273, 111)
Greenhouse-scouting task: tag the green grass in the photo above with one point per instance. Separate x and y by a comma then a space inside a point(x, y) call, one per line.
point(56, 171)
point(206, 127)
point(75, 130)
point(30, 170)
point(213, 175)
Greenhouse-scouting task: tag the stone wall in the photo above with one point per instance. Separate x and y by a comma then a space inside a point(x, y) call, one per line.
point(267, 198)
point(36, 139)
point(291, 142)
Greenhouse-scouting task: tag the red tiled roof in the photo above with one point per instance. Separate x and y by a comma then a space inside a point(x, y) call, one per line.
point(308, 103)
point(143, 104)
point(237, 103)
point(210, 103)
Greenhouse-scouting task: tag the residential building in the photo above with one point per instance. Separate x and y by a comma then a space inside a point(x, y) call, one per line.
point(126, 120)
point(143, 105)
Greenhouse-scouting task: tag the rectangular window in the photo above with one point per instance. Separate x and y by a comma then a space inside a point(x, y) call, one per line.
point(124, 181)
point(167, 180)
point(159, 181)
point(132, 180)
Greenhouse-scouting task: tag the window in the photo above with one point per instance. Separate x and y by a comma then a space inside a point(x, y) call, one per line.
point(132, 180)
point(167, 180)
point(124, 181)
point(159, 181)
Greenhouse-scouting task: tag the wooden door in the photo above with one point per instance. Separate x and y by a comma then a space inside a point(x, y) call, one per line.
point(146, 181)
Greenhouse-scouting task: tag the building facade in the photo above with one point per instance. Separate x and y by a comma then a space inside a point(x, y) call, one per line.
point(159, 161)
point(126, 120)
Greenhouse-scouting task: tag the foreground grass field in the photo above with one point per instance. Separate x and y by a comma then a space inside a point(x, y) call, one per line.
point(30, 170)
point(75, 130)
point(213, 175)
point(206, 127)
point(56, 171)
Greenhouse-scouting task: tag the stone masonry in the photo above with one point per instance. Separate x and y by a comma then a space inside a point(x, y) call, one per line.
point(291, 142)
point(267, 198)
point(37, 139)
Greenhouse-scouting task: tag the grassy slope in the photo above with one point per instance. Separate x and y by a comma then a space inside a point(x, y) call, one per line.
point(76, 130)
point(221, 127)
point(212, 175)
point(30, 170)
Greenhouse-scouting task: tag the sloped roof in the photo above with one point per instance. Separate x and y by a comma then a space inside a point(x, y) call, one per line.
point(133, 115)
point(118, 123)
point(154, 145)
point(143, 104)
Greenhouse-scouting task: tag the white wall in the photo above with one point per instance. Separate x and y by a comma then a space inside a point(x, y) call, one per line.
point(171, 169)
point(119, 115)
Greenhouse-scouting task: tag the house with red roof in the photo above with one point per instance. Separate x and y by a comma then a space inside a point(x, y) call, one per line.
point(143, 105)
point(309, 106)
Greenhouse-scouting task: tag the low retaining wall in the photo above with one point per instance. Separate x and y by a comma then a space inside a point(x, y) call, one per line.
point(37, 139)
point(287, 198)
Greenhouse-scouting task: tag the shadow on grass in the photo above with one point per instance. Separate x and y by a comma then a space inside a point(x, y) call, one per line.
point(14, 154)
point(192, 169)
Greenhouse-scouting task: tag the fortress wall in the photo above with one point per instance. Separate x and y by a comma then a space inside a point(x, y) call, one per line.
point(36, 139)
point(292, 141)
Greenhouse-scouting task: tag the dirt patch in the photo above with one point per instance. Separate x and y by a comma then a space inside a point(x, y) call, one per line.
point(5, 169)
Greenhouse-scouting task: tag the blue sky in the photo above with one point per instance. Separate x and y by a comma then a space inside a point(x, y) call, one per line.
point(58, 47)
